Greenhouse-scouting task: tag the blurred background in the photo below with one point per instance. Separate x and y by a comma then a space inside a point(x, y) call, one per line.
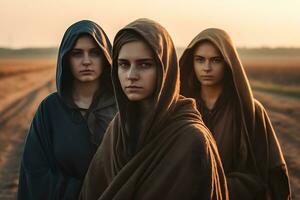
point(266, 33)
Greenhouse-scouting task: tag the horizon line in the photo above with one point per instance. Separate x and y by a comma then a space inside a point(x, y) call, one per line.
point(238, 47)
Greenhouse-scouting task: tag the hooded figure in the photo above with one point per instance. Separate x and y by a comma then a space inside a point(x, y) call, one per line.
point(62, 141)
point(164, 151)
point(252, 159)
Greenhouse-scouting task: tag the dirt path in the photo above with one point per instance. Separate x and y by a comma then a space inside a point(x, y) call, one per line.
point(14, 122)
point(15, 119)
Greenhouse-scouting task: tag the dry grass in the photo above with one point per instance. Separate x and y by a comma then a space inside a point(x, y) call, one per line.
point(278, 70)
point(293, 91)
point(279, 75)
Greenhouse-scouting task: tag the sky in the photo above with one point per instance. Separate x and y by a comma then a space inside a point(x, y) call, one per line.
point(255, 23)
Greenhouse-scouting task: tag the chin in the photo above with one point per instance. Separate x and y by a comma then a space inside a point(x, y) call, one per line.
point(87, 79)
point(134, 97)
point(210, 83)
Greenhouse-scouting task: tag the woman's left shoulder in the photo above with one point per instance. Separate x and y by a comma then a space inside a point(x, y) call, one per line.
point(196, 135)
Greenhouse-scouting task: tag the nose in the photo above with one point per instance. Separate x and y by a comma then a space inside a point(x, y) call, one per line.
point(207, 66)
point(132, 73)
point(86, 60)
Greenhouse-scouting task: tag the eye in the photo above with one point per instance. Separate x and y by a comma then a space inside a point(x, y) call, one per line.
point(96, 52)
point(146, 65)
point(217, 60)
point(199, 59)
point(76, 53)
point(123, 65)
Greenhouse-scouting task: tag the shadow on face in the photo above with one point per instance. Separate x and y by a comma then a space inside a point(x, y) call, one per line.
point(86, 60)
point(137, 70)
point(209, 64)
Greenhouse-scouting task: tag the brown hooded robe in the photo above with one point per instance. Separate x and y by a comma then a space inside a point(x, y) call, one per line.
point(176, 156)
point(249, 149)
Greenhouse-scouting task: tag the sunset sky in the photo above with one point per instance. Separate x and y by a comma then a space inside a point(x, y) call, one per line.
point(41, 23)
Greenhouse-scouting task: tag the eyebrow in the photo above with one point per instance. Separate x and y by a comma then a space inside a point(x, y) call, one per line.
point(122, 60)
point(138, 60)
point(78, 49)
point(145, 60)
point(198, 56)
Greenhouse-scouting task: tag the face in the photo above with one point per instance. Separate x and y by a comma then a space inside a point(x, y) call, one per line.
point(209, 65)
point(137, 70)
point(86, 60)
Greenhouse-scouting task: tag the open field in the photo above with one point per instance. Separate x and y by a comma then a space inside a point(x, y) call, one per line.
point(21, 76)
point(12, 67)
point(24, 82)
point(281, 71)
point(277, 75)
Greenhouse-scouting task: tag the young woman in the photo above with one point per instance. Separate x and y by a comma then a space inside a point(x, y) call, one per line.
point(157, 146)
point(211, 72)
point(70, 123)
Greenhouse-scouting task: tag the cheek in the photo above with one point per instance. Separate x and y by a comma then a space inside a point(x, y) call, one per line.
point(74, 61)
point(197, 70)
point(73, 69)
point(220, 72)
point(99, 67)
point(74, 65)
point(151, 79)
point(121, 76)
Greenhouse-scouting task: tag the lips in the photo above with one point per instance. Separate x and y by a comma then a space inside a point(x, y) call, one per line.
point(207, 77)
point(86, 71)
point(133, 88)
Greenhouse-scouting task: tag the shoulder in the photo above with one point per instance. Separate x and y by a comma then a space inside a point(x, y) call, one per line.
point(49, 103)
point(51, 98)
point(113, 127)
point(197, 136)
point(42, 115)
point(197, 145)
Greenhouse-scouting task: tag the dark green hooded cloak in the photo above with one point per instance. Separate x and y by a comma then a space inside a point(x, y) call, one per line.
point(61, 142)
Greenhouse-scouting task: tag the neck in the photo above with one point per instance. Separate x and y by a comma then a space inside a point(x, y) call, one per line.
point(210, 95)
point(145, 107)
point(83, 93)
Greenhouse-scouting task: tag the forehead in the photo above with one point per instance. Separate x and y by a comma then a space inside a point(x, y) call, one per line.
point(135, 50)
point(207, 49)
point(85, 41)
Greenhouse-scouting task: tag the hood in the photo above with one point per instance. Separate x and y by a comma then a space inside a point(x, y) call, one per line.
point(70, 37)
point(238, 85)
point(167, 87)
point(240, 81)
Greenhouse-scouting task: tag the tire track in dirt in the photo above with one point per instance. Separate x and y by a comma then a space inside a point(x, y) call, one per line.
point(19, 104)
point(14, 123)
